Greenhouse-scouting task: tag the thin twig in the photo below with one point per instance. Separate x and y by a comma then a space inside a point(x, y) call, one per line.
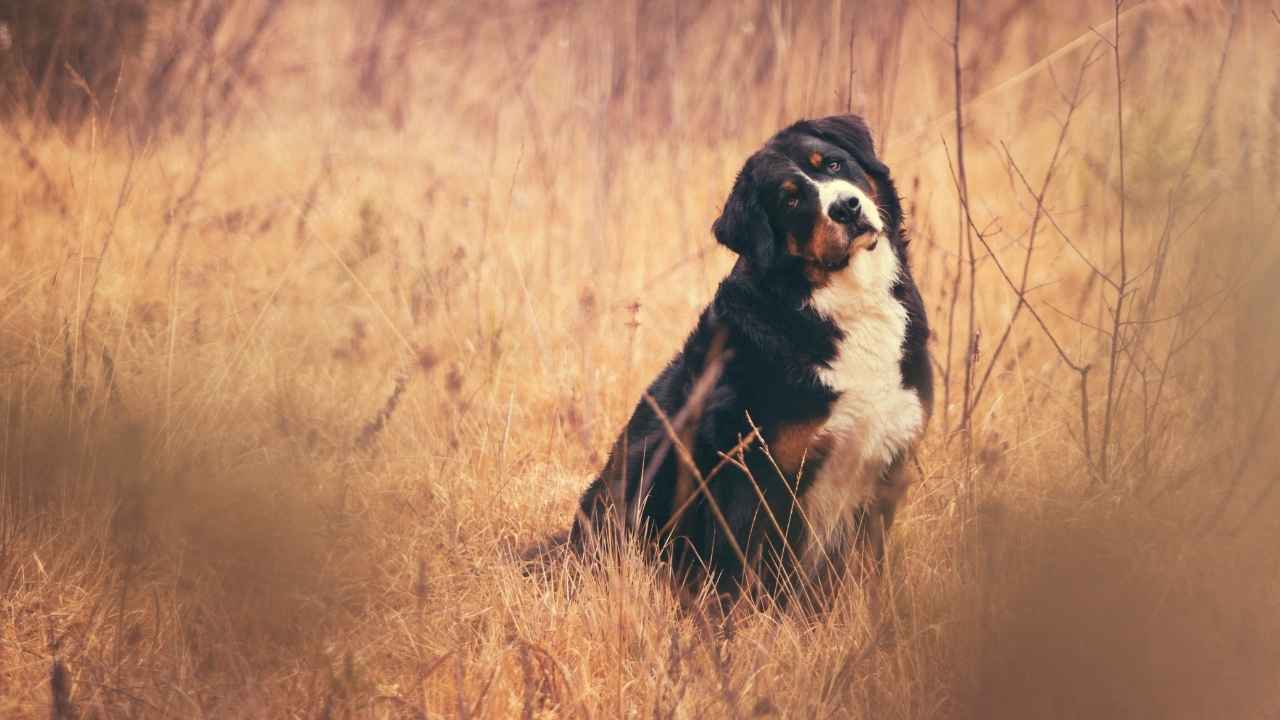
point(1081, 370)
point(1118, 314)
point(1072, 104)
point(122, 199)
point(962, 191)
point(682, 453)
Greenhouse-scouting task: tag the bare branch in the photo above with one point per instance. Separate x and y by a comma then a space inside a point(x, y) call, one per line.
point(1061, 233)
point(685, 421)
point(122, 199)
point(1014, 286)
point(1072, 104)
point(683, 454)
point(1081, 370)
point(1166, 234)
point(966, 235)
point(962, 187)
point(1078, 321)
point(1118, 314)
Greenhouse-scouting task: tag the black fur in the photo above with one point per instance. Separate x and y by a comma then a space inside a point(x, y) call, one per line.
point(753, 355)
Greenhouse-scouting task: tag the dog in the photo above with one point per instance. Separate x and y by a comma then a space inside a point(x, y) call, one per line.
point(771, 451)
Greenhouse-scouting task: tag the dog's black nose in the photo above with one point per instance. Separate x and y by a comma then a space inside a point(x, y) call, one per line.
point(845, 211)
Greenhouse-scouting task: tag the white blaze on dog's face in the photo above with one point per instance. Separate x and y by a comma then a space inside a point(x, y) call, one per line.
point(875, 418)
point(840, 193)
point(828, 209)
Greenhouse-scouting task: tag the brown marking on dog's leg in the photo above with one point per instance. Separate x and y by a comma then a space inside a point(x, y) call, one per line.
point(791, 443)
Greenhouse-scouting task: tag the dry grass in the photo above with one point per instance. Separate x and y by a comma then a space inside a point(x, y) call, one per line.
point(284, 387)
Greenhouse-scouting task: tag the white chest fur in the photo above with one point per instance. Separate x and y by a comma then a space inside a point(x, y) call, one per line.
point(875, 417)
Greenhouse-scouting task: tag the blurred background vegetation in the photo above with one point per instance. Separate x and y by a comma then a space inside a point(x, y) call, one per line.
point(312, 313)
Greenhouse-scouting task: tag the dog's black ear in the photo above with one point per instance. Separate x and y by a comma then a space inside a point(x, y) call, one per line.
point(851, 133)
point(743, 225)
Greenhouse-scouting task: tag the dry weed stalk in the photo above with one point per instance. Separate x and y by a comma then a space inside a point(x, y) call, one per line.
point(686, 461)
point(371, 429)
point(1021, 291)
point(60, 692)
point(227, 611)
point(1081, 370)
point(1122, 285)
point(52, 192)
point(122, 199)
point(964, 245)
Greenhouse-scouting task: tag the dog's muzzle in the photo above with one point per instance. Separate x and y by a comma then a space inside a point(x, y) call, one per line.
point(858, 234)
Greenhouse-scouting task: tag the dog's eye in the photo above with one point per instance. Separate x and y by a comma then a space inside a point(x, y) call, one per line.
point(793, 202)
point(833, 166)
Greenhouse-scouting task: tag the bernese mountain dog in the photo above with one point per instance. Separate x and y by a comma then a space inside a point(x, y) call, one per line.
point(769, 455)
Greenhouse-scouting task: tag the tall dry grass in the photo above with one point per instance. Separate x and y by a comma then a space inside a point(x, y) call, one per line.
point(300, 350)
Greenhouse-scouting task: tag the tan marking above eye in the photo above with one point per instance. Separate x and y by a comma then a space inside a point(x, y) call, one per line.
point(789, 197)
point(815, 159)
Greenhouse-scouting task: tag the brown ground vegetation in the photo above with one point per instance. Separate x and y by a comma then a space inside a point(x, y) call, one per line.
point(298, 350)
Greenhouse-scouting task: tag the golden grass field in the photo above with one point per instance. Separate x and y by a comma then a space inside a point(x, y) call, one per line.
point(292, 373)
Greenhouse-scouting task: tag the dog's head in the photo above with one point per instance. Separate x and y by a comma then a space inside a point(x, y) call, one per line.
point(810, 200)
